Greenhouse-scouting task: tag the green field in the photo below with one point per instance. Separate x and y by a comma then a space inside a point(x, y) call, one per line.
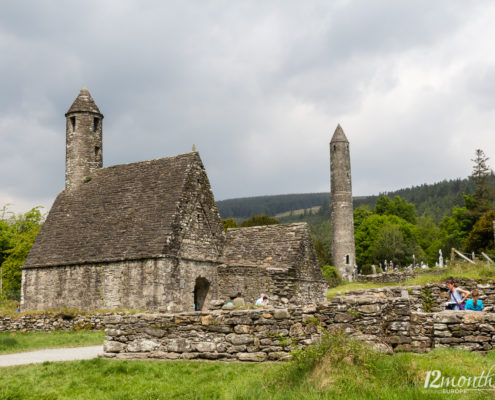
point(300, 211)
point(339, 369)
point(14, 342)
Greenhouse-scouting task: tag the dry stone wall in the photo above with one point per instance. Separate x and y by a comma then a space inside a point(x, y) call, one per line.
point(52, 321)
point(271, 334)
point(261, 334)
point(432, 296)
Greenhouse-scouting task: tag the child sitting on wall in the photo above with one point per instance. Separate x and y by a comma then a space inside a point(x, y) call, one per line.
point(474, 304)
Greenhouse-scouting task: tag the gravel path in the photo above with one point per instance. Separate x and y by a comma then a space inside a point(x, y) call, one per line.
point(61, 354)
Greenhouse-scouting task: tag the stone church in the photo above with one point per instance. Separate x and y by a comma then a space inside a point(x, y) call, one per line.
point(148, 236)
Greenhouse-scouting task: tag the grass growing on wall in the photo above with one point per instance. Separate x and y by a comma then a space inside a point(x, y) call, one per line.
point(339, 369)
point(14, 342)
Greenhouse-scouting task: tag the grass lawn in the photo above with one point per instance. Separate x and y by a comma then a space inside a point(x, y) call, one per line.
point(342, 369)
point(14, 342)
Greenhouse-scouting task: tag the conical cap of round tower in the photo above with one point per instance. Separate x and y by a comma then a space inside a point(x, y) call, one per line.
point(339, 135)
point(84, 103)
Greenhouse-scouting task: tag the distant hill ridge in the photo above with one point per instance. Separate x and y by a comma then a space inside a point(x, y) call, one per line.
point(434, 200)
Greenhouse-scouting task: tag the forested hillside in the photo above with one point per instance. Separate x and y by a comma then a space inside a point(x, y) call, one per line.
point(432, 200)
point(270, 205)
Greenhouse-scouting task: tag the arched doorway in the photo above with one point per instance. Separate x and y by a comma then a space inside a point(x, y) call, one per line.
point(200, 292)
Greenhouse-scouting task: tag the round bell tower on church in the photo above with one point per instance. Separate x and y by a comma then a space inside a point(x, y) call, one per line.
point(343, 250)
point(83, 147)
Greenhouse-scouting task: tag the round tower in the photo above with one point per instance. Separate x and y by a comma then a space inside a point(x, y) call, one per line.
point(83, 146)
point(343, 251)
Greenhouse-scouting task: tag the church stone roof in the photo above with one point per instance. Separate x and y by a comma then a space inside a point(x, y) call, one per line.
point(84, 103)
point(123, 212)
point(339, 135)
point(280, 246)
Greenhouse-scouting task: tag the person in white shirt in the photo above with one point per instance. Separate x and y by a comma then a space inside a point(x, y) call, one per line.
point(262, 301)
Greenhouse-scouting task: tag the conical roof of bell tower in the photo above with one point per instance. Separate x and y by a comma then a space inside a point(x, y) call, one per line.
point(84, 103)
point(339, 135)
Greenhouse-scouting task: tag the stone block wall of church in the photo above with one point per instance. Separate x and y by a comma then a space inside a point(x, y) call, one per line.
point(276, 283)
point(140, 285)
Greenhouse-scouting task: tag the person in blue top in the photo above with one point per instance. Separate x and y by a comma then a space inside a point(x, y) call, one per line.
point(474, 304)
point(457, 296)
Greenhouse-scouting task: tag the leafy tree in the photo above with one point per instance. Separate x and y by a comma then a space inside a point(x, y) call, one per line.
point(5, 237)
point(429, 238)
point(321, 253)
point(229, 223)
point(481, 237)
point(378, 234)
point(398, 206)
point(427, 231)
point(259, 220)
point(390, 244)
point(454, 228)
point(22, 234)
point(360, 214)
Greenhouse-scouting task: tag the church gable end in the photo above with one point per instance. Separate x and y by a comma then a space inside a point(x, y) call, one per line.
point(202, 236)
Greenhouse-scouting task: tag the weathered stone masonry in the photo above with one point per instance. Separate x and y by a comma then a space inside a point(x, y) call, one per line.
point(53, 321)
point(84, 152)
point(343, 248)
point(270, 334)
point(139, 285)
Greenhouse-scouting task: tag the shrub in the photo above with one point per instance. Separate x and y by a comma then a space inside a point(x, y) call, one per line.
point(229, 223)
point(259, 220)
point(366, 269)
point(331, 275)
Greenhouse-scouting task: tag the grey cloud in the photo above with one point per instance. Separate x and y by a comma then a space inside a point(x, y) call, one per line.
point(229, 77)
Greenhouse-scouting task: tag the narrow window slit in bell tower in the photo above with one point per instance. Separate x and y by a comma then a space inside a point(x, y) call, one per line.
point(97, 151)
point(347, 259)
point(95, 124)
point(73, 123)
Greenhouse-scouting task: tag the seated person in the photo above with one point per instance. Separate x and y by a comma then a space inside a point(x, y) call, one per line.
point(474, 304)
point(262, 301)
point(457, 296)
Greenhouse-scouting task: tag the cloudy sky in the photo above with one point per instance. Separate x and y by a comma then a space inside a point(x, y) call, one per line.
point(257, 86)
